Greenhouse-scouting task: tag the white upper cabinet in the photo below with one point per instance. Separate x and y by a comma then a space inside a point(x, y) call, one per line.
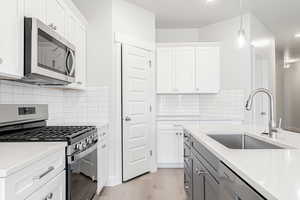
point(164, 69)
point(184, 66)
point(11, 39)
point(188, 68)
point(208, 69)
point(60, 15)
point(55, 16)
point(35, 8)
point(76, 33)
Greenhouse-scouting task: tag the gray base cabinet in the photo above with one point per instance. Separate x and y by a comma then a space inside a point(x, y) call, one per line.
point(207, 178)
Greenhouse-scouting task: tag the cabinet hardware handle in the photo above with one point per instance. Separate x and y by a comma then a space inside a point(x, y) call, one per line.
point(50, 169)
point(127, 119)
point(177, 125)
point(50, 195)
point(176, 133)
point(202, 172)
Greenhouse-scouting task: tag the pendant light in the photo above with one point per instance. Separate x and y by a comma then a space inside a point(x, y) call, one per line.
point(241, 33)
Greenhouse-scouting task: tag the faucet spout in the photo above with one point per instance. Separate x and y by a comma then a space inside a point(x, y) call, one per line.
point(271, 125)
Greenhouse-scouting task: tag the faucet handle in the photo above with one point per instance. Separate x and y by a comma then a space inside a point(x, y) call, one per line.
point(280, 123)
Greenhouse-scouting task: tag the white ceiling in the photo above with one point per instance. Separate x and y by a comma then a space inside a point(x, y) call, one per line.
point(282, 17)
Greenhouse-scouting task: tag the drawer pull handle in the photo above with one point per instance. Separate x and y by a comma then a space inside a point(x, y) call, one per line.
point(50, 169)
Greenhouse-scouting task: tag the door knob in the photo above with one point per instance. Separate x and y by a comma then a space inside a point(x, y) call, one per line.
point(127, 119)
point(263, 113)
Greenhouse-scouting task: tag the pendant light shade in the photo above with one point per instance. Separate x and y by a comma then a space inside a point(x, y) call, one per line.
point(241, 38)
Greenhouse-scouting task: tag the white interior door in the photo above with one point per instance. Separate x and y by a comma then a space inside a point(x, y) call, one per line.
point(136, 111)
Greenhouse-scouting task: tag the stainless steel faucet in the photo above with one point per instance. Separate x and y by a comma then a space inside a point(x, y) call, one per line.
point(271, 125)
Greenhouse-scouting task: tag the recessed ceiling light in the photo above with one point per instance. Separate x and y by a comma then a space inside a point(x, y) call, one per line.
point(209, 1)
point(297, 35)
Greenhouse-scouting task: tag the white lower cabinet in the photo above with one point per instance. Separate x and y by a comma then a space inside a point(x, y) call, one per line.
point(53, 190)
point(102, 157)
point(170, 140)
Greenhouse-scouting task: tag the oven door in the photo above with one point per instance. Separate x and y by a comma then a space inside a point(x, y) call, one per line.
point(82, 175)
point(47, 54)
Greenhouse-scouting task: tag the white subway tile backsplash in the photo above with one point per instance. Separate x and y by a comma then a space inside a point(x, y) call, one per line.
point(227, 105)
point(66, 107)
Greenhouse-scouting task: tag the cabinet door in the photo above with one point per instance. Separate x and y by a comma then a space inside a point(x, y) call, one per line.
point(76, 34)
point(35, 8)
point(102, 164)
point(167, 148)
point(55, 189)
point(11, 39)
point(71, 29)
point(207, 69)
point(212, 188)
point(184, 65)
point(198, 180)
point(180, 147)
point(165, 70)
point(81, 56)
point(55, 16)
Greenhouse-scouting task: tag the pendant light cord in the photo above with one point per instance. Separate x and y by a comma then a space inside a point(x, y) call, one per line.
point(241, 13)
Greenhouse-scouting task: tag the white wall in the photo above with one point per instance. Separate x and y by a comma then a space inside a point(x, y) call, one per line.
point(137, 24)
point(105, 18)
point(177, 35)
point(235, 61)
point(133, 21)
point(99, 40)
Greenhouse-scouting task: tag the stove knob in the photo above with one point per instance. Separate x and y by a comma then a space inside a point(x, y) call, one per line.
point(77, 146)
point(83, 145)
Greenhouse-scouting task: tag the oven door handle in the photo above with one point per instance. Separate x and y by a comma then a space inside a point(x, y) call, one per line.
point(78, 156)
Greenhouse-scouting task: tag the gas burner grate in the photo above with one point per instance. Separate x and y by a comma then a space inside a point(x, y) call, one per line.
point(47, 133)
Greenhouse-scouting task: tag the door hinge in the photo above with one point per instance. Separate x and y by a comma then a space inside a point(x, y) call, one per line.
point(150, 108)
point(150, 153)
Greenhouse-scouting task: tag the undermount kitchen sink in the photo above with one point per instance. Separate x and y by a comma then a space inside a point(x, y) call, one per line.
point(242, 141)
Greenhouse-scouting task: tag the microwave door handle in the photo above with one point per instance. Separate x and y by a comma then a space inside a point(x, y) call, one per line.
point(67, 62)
point(73, 65)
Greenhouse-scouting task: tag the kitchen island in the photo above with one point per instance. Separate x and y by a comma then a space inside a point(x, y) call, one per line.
point(270, 173)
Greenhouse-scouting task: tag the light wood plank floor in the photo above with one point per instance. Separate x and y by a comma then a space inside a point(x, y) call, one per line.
point(166, 184)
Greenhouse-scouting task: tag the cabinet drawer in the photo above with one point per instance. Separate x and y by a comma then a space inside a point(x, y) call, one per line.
point(26, 181)
point(54, 189)
point(212, 160)
point(169, 126)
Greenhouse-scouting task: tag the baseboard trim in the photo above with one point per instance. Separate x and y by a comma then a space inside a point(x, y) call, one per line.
point(170, 165)
point(113, 181)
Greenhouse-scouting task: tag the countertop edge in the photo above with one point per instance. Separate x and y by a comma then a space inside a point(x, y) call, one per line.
point(4, 173)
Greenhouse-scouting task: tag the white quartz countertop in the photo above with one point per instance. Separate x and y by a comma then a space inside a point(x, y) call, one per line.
point(273, 173)
point(15, 156)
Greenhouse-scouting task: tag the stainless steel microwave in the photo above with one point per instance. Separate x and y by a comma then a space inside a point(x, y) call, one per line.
point(49, 59)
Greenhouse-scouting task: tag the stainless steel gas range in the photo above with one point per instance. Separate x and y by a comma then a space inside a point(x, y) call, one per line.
point(27, 123)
